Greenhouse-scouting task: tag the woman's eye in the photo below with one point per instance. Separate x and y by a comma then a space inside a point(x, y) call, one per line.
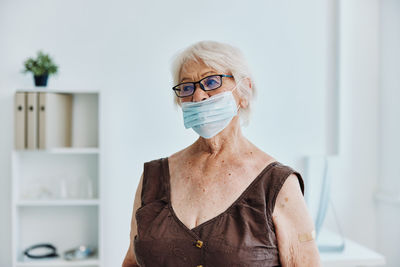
point(210, 82)
point(187, 88)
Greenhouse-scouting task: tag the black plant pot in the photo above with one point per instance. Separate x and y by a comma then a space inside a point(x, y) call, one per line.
point(41, 80)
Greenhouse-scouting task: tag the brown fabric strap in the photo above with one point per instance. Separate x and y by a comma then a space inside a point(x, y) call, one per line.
point(153, 181)
point(278, 177)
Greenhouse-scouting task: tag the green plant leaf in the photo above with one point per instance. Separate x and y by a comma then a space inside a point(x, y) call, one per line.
point(42, 64)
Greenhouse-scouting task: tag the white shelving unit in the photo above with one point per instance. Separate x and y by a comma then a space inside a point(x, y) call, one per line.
point(56, 192)
point(354, 254)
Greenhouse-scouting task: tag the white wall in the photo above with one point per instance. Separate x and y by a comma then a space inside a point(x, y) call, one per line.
point(124, 48)
point(355, 172)
point(389, 173)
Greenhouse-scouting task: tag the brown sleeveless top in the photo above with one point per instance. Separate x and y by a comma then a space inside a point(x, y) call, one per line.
point(243, 235)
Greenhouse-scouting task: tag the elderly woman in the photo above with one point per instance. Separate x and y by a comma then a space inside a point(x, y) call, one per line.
point(221, 201)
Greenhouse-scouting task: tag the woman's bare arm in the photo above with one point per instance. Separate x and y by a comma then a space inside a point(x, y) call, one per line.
point(294, 227)
point(130, 258)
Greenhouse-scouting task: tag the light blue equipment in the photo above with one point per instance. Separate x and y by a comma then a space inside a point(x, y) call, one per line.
point(319, 183)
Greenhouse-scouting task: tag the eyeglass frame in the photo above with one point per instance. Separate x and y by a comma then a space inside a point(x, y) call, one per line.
point(201, 85)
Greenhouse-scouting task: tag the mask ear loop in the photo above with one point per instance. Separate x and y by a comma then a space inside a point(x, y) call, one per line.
point(238, 107)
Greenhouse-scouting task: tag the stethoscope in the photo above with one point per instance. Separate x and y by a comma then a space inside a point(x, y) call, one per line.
point(81, 252)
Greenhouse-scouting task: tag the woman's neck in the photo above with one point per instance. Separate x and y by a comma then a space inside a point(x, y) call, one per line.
point(228, 141)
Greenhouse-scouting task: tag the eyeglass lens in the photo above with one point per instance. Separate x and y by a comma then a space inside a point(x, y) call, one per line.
point(208, 83)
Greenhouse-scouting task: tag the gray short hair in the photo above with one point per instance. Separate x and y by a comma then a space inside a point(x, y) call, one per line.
point(221, 57)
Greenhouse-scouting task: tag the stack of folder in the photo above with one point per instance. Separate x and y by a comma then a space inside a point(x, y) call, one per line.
point(43, 120)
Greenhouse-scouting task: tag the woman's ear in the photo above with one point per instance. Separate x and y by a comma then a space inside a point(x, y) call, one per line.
point(248, 83)
point(243, 103)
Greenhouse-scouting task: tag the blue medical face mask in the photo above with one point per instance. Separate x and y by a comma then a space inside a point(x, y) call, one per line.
point(210, 116)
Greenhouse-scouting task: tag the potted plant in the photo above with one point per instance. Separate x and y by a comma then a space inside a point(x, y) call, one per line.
point(42, 66)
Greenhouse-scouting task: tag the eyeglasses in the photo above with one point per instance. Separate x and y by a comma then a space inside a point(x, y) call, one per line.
point(208, 83)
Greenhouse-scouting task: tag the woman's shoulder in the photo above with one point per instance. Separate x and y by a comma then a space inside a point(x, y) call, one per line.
point(258, 157)
point(280, 171)
point(179, 155)
point(263, 158)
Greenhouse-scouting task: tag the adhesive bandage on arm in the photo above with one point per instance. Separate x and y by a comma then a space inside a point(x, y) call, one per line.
point(304, 237)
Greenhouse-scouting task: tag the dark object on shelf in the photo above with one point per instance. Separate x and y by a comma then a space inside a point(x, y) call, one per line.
point(79, 253)
point(41, 67)
point(51, 254)
point(40, 80)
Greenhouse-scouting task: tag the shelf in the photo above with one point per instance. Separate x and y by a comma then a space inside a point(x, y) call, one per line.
point(354, 254)
point(56, 190)
point(60, 90)
point(58, 202)
point(58, 262)
point(61, 150)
